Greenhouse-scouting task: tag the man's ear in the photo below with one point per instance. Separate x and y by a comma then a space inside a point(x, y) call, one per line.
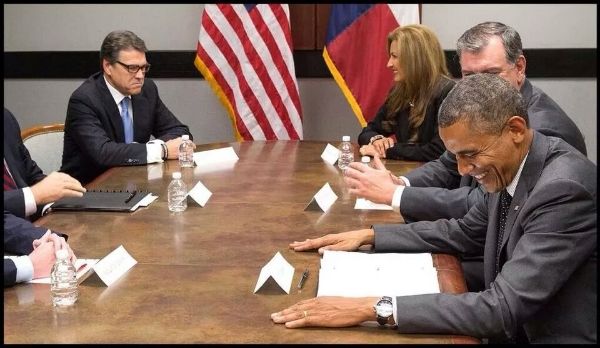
point(106, 67)
point(517, 126)
point(520, 65)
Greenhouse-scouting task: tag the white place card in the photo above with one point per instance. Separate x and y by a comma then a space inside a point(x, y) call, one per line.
point(323, 199)
point(330, 154)
point(200, 193)
point(279, 270)
point(144, 202)
point(366, 204)
point(225, 154)
point(114, 265)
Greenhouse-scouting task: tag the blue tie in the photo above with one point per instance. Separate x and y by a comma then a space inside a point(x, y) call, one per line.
point(127, 121)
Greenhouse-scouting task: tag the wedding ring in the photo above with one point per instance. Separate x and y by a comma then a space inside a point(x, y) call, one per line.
point(305, 314)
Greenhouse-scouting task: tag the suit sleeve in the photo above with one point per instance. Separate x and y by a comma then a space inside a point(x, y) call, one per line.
point(19, 234)
point(166, 125)
point(442, 172)
point(432, 203)
point(10, 273)
point(373, 128)
point(558, 237)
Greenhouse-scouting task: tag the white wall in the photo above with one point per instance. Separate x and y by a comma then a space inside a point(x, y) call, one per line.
point(327, 116)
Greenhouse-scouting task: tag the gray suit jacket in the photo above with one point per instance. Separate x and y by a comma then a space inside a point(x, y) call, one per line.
point(547, 282)
point(438, 191)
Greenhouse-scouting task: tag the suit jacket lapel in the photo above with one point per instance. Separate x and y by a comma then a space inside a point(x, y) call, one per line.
point(141, 117)
point(112, 110)
point(529, 176)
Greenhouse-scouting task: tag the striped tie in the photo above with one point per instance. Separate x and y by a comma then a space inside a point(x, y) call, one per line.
point(9, 183)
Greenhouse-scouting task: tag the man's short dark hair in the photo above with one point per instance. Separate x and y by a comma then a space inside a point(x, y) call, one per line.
point(117, 41)
point(477, 37)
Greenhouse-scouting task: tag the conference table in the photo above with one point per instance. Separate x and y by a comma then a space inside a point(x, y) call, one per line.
point(196, 271)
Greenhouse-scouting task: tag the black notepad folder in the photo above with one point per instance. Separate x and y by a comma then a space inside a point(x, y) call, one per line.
point(101, 201)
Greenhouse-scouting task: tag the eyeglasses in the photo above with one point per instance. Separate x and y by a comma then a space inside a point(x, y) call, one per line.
point(133, 68)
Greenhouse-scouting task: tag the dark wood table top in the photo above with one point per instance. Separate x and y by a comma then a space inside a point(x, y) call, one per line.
point(196, 270)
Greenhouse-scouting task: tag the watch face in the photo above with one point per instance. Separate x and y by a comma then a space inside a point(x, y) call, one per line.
point(384, 309)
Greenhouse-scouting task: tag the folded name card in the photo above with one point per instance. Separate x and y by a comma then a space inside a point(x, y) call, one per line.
point(322, 199)
point(330, 154)
point(200, 193)
point(279, 270)
point(215, 156)
point(114, 265)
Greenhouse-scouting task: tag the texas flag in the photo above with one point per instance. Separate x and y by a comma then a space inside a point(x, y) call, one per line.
point(356, 54)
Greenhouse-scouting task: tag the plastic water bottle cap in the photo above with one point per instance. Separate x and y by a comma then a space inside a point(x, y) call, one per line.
point(185, 137)
point(365, 159)
point(176, 175)
point(62, 254)
point(346, 138)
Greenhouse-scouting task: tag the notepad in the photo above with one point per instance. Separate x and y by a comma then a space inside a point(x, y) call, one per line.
point(101, 200)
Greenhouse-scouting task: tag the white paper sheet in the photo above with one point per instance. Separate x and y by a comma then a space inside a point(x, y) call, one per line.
point(357, 274)
point(81, 265)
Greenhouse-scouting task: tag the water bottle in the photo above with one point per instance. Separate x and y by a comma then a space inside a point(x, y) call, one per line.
point(346, 153)
point(366, 160)
point(176, 194)
point(186, 152)
point(63, 280)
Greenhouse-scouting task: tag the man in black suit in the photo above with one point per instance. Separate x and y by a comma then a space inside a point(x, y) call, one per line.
point(26, 188)
point(113, 114)
point(535, 226)
point(37, 244)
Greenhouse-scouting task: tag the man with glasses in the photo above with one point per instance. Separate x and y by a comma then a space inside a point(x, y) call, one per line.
point(535, 227)
point(436, 190)
point(113, 114)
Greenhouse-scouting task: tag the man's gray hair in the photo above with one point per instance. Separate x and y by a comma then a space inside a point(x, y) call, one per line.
point(117, 41)
point(484, 101)
point(477, 37)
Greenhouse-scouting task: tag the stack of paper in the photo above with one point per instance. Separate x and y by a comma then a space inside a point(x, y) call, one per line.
point(357, 274)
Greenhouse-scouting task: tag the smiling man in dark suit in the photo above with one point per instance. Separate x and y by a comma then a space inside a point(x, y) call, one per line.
point(113, 114)
point(535, 227)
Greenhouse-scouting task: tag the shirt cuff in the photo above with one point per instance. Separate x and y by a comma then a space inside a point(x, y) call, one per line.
point(396, 198)
point(24, 268)
point(30, 204)
point(405, 179)
point(154, 151)
point(395, 314)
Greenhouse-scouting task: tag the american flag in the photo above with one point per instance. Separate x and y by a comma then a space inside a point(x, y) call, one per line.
point(245, 53)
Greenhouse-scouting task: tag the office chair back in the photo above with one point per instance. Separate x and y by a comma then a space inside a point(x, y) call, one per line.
point(45, 145)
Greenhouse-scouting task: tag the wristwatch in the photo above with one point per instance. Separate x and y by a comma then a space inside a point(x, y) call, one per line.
point(375, 137)
point(384, 308)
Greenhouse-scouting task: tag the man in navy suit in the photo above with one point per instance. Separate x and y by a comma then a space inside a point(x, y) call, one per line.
point(535, 226)
point(26, 188)
point(36, 245)
point(113, 114)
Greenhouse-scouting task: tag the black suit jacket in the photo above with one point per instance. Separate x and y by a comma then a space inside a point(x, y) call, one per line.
point(24, 170)
point(438, 191)
point(94, 136)
point(429, 145)
point(547, 280)
point(18, 239)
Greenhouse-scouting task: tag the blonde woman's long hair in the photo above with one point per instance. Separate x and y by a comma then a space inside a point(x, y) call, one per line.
point(423, 64)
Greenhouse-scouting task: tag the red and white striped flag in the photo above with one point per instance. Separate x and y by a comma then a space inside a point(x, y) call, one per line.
point(245, 54)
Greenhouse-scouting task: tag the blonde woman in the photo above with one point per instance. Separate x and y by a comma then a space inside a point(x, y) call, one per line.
point(405, 127)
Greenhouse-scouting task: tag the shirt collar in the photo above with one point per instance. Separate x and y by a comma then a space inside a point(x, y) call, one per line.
point(117, 96)
point(512, 187)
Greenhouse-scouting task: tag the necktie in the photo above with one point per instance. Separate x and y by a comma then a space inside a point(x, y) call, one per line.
point(505, 200)
point(9, 183)
point(127, 121)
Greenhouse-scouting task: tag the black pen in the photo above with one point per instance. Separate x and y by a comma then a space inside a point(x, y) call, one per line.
point(131, 196)
point(303, 278)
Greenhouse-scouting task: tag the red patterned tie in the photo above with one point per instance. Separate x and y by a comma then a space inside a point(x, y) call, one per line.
point(9, 183)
